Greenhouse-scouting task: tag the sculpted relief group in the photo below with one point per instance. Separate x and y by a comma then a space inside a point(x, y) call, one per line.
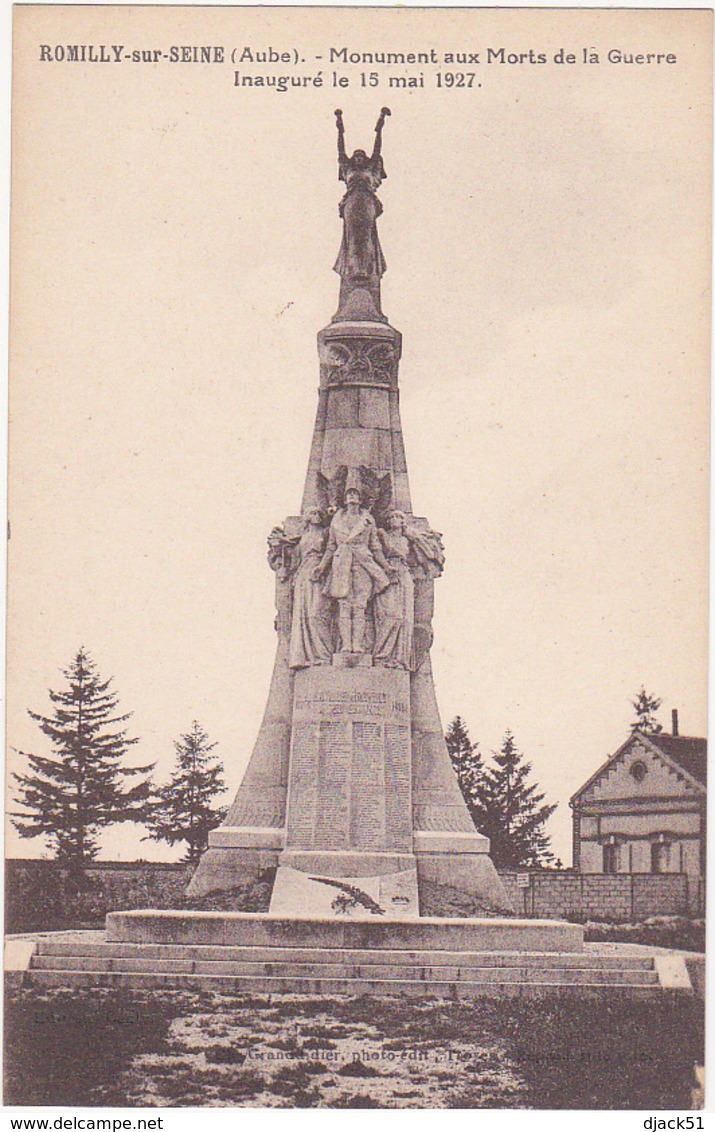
point(350, 577)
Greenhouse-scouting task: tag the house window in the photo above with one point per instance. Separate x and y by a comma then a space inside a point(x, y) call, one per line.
point(659, 856)
point(639, 770)
point(610, 858)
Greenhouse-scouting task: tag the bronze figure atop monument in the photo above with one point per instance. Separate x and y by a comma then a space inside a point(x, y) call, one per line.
point(350, 782)
point(360, 263)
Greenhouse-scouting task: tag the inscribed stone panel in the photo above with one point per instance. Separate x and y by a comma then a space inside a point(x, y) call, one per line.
point(302, 790)
point(398, 791)
point(367, 799)
point(332, 813)
point(350, 773)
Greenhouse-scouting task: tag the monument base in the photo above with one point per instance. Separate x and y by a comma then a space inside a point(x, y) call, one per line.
point(222, 870)
point(461, 860)
point(236, 854)
point(458, 859)
point(472, 874)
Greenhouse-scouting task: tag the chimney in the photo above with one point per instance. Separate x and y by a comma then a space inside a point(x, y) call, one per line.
point(674, 714)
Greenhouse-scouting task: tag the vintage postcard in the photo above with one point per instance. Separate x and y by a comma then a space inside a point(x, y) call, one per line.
point(358, 549)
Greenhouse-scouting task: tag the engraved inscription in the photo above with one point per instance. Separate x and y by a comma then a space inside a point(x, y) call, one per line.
point(303, 784)
point(397, 787)
point(378, 704)
point(367, 798)
point(334, 758)
point(350, 774)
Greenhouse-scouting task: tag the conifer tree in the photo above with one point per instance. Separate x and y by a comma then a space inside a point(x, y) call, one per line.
point(645, 707)
point(513, 816)
point(468, 766)
point(182, 810)
point(83, 788)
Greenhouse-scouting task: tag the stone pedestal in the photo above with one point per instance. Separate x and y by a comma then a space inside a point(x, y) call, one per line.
point(349, 809)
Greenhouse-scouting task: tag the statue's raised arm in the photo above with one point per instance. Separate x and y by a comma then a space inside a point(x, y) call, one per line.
point(377, 148)
point(342, 155)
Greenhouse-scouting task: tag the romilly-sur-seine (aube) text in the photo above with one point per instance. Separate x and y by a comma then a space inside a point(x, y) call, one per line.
point(282, 68)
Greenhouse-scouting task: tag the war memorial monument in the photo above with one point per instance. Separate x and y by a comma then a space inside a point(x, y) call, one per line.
point(350, 776)
point(349, 793)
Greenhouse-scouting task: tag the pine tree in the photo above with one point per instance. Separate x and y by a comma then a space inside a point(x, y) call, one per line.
point(72, 796)
point(645, 707)
point(513, 816)
point(468, 766)
point(182, 809)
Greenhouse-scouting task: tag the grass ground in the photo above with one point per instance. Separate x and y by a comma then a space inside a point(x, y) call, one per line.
point(177, 1049)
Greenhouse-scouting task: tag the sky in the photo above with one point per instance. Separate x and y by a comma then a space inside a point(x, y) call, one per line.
point(547, 240)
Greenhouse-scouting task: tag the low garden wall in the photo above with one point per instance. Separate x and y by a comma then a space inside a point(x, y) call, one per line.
point(563, 894)
point(41, 895)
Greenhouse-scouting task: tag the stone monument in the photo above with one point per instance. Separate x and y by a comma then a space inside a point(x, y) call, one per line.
point(350, 791)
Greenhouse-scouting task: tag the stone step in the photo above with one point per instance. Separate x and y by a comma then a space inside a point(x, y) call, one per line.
point(344, 969)
point(231, 929)
point(408, 958)
point(250, 984)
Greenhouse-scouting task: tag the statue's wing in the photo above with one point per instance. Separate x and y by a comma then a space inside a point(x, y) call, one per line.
point(323, 485)
point(370, 486)
point(336, 488)
point(383, 502)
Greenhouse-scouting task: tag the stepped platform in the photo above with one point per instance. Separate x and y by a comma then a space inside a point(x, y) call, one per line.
point(239, 953)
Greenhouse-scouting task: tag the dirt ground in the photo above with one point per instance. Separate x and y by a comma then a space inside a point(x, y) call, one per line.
point(172, 1049)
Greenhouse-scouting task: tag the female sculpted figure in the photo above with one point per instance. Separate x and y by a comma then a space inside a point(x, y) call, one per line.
point(311, 630)
point(360, 261)
point(357, 569)
point(395, 606)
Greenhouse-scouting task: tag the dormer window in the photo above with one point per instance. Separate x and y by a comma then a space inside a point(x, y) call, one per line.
point(639, 770)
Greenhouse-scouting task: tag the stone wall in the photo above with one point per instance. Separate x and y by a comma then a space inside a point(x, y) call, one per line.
point(552, 894)
point(41, 895)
